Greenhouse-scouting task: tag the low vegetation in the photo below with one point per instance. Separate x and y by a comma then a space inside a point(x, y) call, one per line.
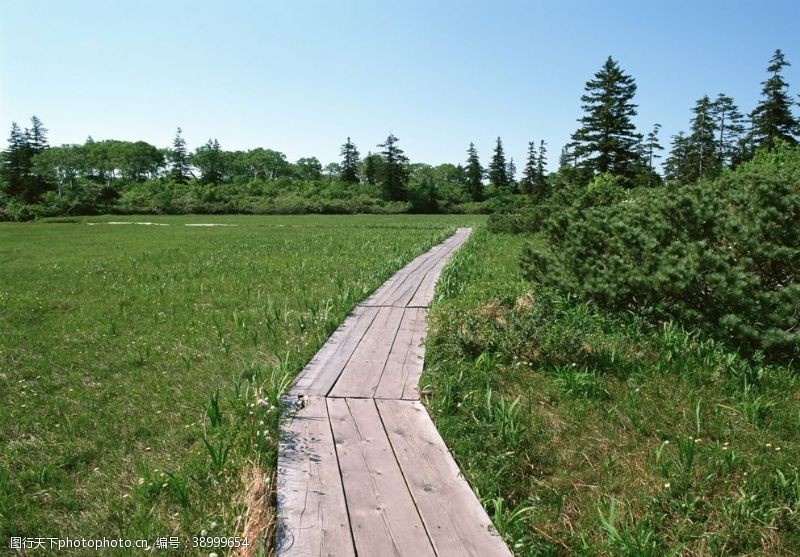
point(616, 373)
point(141, 365)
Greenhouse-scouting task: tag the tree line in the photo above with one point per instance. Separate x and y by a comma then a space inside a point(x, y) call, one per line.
point(100, 173)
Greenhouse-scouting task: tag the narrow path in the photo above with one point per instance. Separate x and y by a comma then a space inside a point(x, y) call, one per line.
point(361, 467)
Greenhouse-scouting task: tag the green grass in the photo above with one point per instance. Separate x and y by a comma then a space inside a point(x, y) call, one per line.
point(141, 366)
point(592, 434)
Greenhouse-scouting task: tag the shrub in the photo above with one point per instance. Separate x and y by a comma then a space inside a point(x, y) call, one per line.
point(721, 256)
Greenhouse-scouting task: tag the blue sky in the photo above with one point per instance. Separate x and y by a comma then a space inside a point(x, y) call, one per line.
point(300, 76)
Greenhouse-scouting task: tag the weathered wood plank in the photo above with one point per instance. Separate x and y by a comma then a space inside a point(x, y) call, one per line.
point(424, 293)
point(382, 513)
point(324, 369)
point(401, 281)
point(454, 519)
point(312, 514)
point(405, 361)
point(362, 374)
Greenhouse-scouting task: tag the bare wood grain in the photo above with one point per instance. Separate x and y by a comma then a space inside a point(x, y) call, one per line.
point(383, 516)
point(312, 513)
point(455, 520)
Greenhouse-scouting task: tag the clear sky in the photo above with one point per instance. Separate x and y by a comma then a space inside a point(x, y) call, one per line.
point(300, 76)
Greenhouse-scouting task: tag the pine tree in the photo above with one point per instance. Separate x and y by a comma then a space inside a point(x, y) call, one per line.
point(350, 160)
point(730, 128)
point(511, 173)
point(22, 180)
point(772, 118)
point(678, 167)
point(530, 169)
point(607, 138)
point(394, 171)
point(498, 170)
point(16, 163)
point(37, 136)
point(370, 169)
point(179, 159)
point(474, 173)
point(540, 178)
point(651, 145)
point(702, 142)
point(209, 159)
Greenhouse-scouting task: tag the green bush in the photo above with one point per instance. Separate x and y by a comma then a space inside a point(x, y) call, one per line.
point(514, 223)
point(721, 256)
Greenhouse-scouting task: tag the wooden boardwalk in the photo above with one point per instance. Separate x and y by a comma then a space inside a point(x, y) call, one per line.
point(361, 467)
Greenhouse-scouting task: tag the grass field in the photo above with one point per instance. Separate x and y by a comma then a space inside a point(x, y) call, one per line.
point(592, 434)
point(140, 365)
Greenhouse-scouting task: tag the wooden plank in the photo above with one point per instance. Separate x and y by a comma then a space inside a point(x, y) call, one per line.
point(312, 514)
point(324, 369)
point(383, 517)
point(404, 364)
point(362, 373)
point(399, 289)
point(424, 294)
point(384, 295)
point(453, 517)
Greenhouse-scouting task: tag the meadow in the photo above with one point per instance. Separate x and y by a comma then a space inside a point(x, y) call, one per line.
point(141, 365)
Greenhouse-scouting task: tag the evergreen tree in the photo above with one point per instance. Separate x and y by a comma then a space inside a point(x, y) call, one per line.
point(566, 158)
point(498, 170)
point(37, 136)
point(209, 159)
point(677, 167)
point(19, 171)
point(651, 145)
point(349, 168)
point(511, 173)
point(540, 178)
point(702, 142)
point(474, 174)
point(607, 138)
point(394, 170)
point(370, 168)
point(179, 160)
point(772, 118)
point(530, 170)
point(730, 129)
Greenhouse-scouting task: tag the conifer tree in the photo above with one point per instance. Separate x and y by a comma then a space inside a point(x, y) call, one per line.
point(349, 169)
point(677, 167)
point(22, 180)
point(511, 173)
point(702, 142)
point(772, 118)
point(394, 171)
point(179, 159)
point(209, 159)
point(540, 179)
point(607, 138)
point(651, 146)
point(530, 170)
point(370, 169)
point(730, 128)
point(474, 174)
point(498, 170)
point(16, 163)
point(36, 136)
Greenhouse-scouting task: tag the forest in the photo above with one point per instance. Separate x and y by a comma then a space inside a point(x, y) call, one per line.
point(123, 177)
